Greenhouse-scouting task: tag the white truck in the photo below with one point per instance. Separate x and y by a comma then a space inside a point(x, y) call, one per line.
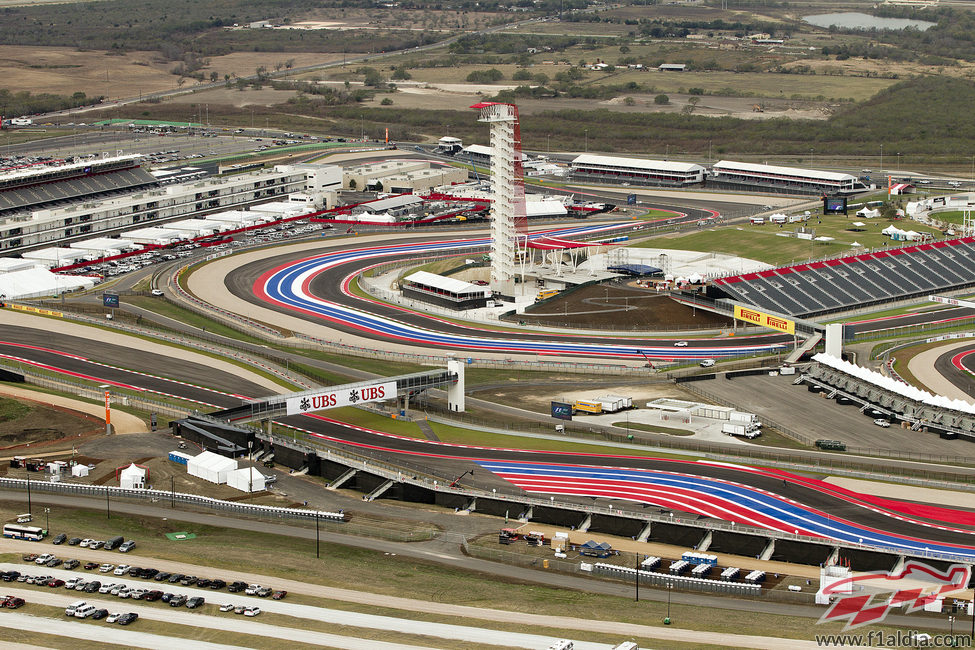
point(614, 403)
point(741, 429)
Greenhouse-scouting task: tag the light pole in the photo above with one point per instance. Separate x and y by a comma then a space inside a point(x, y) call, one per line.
point(317, 539)
point(670, 586)
point(951, 626)
point(47, 519)
point(587, 140)
point(29, 511)
point(881, 159)
point(108, 408)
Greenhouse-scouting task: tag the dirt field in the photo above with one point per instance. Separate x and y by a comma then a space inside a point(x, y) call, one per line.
point(64, 71)
point(621, 308)
point(43, 425)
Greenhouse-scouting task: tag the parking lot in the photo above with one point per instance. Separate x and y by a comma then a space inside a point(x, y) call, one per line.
point(816, 417)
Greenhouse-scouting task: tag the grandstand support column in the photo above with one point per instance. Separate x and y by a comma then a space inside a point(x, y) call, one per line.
point(455, 390)
point(508, 192)
point(834, 340)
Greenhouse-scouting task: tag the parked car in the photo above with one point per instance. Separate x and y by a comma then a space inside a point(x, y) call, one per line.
point(176, 577)
point(112, 618)
point(263, 592)
point(92, 587)
point(42, 559)
point(178, 601)
point(55, 583)
point(9, 576)
point(162, 575)
point(86, 541)
point(279, 594)
point(122, 569)
point(53, 562)
point(105, 568)
point(239, 609)
point(126, 546)
point(707, 363)
point(166, 597)
point(97, 544)
point(99, 614)
point(226, 607)
point(106, 588)
point(188, 580)
point(252, 589)
point(60, 539)
point(882, 422)
point(154, 595)
point(218, 584)
point(127, 618)
point(252, 611)
point(194, 602)
point(74, 541)
point(90, 565)
point(117, 589)
point(203, 583)
point(236, 586)
point(13, 602)
point(70, 609)
point(72, 583)
point(30, 557)
point(71, 564)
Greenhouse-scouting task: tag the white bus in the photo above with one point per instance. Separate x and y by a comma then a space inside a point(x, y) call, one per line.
point(19, 531)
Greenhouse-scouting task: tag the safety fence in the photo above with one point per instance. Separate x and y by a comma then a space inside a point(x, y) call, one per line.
point(173, 497)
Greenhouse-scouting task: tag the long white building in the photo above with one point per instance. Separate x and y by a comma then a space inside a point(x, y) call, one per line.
point(728, 174)
point(613, 169)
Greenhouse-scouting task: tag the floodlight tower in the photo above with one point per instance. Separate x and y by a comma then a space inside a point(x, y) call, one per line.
point(508, 191)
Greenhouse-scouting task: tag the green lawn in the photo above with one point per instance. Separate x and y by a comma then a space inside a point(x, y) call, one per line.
point(762, 243)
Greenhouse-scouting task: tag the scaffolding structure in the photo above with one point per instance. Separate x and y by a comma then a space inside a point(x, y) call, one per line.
point(508, 220)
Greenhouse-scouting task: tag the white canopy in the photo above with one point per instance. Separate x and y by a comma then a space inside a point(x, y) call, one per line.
point(79, 470)
point(211, 467)
point(36, 282)
point(132, 477)
point(246, 479)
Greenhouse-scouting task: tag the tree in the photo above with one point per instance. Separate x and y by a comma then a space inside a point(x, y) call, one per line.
point(521, 75)
point(629, 101)
point(386, 101)
point(661, 100)
point(214, 75)
point(541, 78)
point(352, 184)
point(401, 74)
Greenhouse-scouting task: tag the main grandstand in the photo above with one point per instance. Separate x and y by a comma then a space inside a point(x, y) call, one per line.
point(61, 203)
point(40, 186)
point(846, 283)
point(602, 169)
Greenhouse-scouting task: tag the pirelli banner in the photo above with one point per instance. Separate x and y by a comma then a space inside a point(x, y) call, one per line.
point(762, 319)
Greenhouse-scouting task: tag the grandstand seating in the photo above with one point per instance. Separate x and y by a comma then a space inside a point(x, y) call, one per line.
point(94, 186)
point(855, 281)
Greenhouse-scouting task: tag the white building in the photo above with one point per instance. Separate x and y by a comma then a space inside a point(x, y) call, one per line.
point(615, 169)
point(156, 205)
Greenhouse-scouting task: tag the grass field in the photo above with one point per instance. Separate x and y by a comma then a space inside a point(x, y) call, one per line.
point(349, 567)
point(762, 243)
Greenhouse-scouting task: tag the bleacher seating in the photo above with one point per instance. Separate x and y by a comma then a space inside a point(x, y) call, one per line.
point(855, 281)
point(32, 197)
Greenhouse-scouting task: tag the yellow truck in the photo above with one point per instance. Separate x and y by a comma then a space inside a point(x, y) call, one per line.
point(588, 406)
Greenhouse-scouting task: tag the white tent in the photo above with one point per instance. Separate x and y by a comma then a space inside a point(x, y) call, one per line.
point(868, 213)
point(132, 477)
point(36, 282)
point(246, 479)
point(211, 467)
point(79, 471)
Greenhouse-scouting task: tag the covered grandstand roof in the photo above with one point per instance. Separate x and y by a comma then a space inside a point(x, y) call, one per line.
point(729, 165)
point(478, 149)
point(450, 285)
point(637, 163)
point(635, 269)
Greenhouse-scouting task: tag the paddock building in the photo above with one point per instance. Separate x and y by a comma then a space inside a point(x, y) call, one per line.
point(727, 174)
point(612, 169)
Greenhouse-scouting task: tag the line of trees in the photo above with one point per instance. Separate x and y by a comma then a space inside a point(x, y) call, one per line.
point(14, 104)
